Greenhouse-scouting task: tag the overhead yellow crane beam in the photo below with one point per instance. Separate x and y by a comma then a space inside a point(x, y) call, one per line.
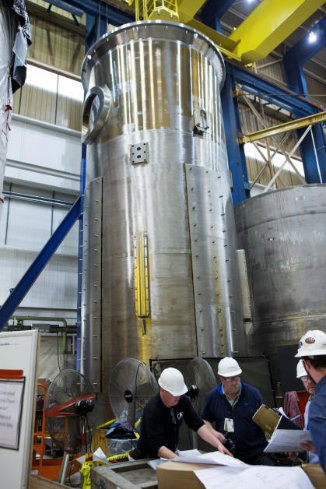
point(188, 9)
point(286, 126)
point(225, 44)
point(269, 25)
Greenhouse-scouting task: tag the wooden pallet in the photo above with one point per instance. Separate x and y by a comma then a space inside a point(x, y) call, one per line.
point(125, 475)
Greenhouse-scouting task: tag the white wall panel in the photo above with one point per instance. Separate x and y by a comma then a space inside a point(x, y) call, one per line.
point(56, 287)
point(43, 162)
point(29, 224)
point(70, 244)
point(43, 154)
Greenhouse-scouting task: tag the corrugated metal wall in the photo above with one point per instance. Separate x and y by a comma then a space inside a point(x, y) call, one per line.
point(50, 97)
point(56, 46)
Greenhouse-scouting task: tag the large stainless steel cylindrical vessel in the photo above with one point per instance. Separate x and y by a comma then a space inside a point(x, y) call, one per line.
point(284, 234)
point(160, 278)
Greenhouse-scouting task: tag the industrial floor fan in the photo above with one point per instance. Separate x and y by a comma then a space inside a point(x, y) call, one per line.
point(200, 379)
point(68, 403)
point(131, 386)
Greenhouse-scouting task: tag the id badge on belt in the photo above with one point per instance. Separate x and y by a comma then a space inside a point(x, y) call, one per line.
point(229, 425)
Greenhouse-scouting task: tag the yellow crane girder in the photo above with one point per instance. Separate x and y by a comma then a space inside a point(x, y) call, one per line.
point(285, 127)
point(188, 9)
point(269, 25)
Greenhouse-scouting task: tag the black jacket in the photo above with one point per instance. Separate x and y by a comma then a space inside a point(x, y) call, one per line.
point(160, 425)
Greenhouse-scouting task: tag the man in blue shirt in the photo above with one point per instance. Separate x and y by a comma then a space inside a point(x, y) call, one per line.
point(312, 351)
point(309, 385)
point(231, 406)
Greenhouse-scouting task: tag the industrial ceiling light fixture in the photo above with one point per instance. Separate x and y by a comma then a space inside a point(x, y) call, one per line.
point(312, 37)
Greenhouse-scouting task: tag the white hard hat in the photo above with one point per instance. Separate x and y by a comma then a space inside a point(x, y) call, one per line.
point(171, 380)
point(301, 371)
point(228, 367)
point(312, 344)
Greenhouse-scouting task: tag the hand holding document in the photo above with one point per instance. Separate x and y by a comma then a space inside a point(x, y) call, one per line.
point(181, 453)
point(287, 437)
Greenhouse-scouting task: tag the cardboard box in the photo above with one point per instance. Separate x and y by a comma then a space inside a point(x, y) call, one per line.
point(315, 474)
point(177, 475)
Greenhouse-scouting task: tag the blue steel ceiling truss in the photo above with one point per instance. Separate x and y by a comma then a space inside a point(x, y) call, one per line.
point(313, 149)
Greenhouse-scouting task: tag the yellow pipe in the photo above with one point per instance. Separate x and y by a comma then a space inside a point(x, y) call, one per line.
point(270, 23)
point(287, 126)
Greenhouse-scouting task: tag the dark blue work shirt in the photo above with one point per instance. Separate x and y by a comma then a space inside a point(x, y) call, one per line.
point(317, 421)
point(249, 439)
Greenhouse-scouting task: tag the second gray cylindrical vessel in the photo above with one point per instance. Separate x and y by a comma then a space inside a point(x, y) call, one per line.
point(283, 233)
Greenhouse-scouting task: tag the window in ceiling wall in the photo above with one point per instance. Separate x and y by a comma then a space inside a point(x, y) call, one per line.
point(49, 97)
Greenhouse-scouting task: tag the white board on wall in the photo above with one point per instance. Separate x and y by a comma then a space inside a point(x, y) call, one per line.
point(18, 352)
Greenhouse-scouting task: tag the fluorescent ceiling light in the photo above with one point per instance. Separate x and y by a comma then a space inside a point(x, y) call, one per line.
point(312, 37)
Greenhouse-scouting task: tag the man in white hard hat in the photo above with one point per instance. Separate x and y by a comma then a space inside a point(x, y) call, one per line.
point(309, 386)
point(163, 416)
point(312, 351)
point(231, 406)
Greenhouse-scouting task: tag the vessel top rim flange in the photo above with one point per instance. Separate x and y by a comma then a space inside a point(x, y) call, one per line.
point(145, 23)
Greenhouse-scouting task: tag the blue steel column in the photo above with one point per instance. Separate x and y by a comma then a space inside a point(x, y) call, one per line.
point(313, 147)
point(95, 28)
point(213, 11)
point(236, 156)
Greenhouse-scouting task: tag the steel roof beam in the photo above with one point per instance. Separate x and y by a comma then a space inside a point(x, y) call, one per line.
point(269, 24)
point(267, 90)
point(96, 8)
point(65, 6)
